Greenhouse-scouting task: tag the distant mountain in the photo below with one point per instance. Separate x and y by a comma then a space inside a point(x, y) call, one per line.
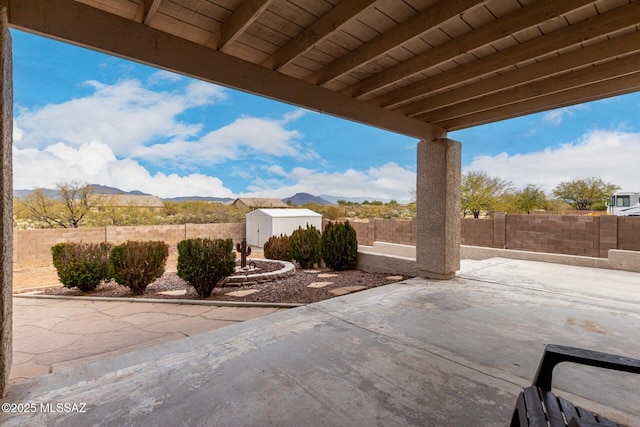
point(199, 198)
point(103, 189)
point(334, 199)
point(304, 198)
point(98, 189)
point(24, 193)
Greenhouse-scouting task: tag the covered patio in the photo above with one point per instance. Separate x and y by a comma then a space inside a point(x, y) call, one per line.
point(416, 67)
point(420, 352)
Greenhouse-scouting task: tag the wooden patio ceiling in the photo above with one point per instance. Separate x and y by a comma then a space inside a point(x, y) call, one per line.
point(417, 67)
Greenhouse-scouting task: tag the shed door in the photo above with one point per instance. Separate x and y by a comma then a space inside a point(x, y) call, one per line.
point(260, 230)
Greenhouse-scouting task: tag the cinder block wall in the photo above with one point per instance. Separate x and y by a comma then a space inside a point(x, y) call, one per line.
point(384, 230)
point(395, 231)
point(567, 234)
point(629, 233)
point(234, 231)
point(34, 246)
point(477, 232)
point(563, 234)
point(581, 235)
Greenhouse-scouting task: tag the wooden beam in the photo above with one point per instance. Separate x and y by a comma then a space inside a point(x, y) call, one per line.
point(150, 9)
point(77, 23)
point(573, 80)
point(614, 87)
point(607, 49)
point(500, 28)
point(240, 19)
point(413, 27)
point(606, 23)
point(316, 32)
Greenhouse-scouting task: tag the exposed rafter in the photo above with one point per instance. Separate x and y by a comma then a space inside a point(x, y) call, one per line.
point(150, 9)
point(573, 80)
point(618, 86)
point(418, 24)
point(518, 20)
point(316, 32)
point(83, 25)
point(608, 49)
point(600, 25)
point(395, 64)
point(244, 15)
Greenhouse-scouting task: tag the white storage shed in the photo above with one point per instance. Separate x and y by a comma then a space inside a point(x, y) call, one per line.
point(264, 223)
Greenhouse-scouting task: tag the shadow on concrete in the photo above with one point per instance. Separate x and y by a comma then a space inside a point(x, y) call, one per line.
point(418, 352)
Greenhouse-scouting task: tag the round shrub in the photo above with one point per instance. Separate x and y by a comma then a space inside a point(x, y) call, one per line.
point(81, 265)
point(339, 246)
point(277, 247)
point(137, 264)
point(304, 246)
point(203, 263)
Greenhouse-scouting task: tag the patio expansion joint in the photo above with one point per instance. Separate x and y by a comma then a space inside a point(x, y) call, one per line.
point(413, 345)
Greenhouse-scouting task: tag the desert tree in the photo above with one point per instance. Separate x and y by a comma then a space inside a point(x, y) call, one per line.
point(583, 193)
point(530, 198)
point(482, 193)
point(68, 208)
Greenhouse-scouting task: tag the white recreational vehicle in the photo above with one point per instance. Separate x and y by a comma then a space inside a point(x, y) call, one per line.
point(624, 204)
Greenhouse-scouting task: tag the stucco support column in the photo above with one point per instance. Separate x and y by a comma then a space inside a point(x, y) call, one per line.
point(438, 204)
point(6, 207)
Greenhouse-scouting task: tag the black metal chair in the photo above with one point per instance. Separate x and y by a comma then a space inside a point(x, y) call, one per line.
point(538, 406)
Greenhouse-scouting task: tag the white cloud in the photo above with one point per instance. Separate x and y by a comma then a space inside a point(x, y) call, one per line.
point(123, 115)
point(555, 117)
point(245, 137)
point(611, 155)
point(390, 181)
point(144, 124)
point(17, 132)
point(96, 163)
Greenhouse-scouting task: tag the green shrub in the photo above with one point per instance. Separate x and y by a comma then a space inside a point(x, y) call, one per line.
point(81, 265)
point(339, 246)
point(277, 247)
point(304, 246)
point(203, 263)
point(137, 264)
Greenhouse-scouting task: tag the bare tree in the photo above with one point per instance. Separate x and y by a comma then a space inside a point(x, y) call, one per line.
point(75, 200)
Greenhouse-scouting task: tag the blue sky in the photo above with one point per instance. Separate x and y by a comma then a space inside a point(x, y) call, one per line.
point(83, 115)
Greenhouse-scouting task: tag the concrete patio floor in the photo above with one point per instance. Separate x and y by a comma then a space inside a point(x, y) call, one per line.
point(418, 352)
point(51, 335)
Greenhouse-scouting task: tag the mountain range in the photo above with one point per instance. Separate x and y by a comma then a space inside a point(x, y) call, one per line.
point(298, 199)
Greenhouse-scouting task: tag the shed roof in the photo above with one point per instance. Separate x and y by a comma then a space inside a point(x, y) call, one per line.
point(286, 213)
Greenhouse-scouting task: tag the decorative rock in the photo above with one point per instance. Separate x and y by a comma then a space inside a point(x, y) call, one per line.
point(346, 290)
point(319, 284)
point(174, 293)
point(327, 275)
point(243, 293)
point(312, 271)
point(395, 278)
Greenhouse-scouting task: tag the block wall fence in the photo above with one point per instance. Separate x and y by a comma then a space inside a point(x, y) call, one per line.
point(562, 234)
point(34, 246)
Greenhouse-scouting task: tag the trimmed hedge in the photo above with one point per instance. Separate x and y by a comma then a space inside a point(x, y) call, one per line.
point(81, 265)
point(138, 264)
point(339, 246)
point(203, 263)
point(304, 246)
point(277, 247)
